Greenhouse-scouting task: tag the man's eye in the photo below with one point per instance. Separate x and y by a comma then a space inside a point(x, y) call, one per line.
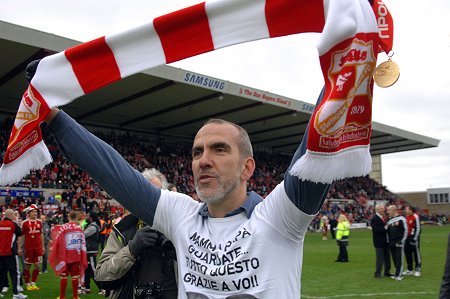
point(196, 154)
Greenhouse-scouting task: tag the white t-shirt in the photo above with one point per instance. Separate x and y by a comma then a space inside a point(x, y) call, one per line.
point(256, 257)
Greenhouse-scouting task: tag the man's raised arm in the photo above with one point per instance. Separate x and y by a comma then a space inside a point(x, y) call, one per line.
point(105, 165)
point(306, 195)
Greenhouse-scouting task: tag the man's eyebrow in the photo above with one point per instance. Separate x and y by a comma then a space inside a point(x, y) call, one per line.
point(197, 148)
point(220, 144)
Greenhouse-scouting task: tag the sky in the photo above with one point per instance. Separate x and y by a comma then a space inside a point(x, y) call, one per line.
point(419, 102)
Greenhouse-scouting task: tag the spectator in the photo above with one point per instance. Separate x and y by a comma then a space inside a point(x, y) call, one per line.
point(91, 234)
point(379, 235)
point(412, 244)
point(139, 261)
point(445, 284)
point(397, 231)
point(342, 235)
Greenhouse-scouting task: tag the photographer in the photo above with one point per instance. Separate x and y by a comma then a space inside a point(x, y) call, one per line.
point(138, 262)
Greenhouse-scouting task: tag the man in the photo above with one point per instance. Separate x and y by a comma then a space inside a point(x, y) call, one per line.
point(68, 254)
point(333, 225)
point(32, 229)
point(397, 231)
point(379, 236)
point(91, 234)
point(46, 228)
point(412, 245)
point(9, 233)
point(137, 259)
point(227, 242)
point(444, 292)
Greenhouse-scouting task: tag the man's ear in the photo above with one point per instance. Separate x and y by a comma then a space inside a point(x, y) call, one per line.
point(248, 167)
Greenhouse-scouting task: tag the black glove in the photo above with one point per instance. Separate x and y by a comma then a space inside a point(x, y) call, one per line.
point(31, 69)
point(144, 238)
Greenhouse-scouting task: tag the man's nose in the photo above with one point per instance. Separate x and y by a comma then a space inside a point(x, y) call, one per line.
point(205, 160)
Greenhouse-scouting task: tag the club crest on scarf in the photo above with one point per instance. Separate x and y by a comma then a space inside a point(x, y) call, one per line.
point(345, 117)
point(22, 138)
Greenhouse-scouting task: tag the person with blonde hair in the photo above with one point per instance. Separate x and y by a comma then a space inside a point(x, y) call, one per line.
point(342, 234)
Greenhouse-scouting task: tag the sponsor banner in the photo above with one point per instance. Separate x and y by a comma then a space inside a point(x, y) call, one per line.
point(20, 192)
point(358, 225)
point(265, 97)
point(199, 80)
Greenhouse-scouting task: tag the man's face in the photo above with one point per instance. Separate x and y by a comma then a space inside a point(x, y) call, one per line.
point(216, 162)
point(391, 211)
point(381, 210)
point(33, 214)
point(408, 211)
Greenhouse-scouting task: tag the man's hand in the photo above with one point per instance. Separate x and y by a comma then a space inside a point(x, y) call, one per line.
point(144, 238)
point(31, 70)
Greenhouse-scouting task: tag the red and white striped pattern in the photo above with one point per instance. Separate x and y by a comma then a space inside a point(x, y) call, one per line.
point(201, 28)
point(188, 32)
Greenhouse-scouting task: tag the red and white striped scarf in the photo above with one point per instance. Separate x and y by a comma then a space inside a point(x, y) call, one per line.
point(339, 133)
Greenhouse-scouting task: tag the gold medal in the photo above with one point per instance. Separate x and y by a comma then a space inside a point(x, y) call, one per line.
point(386, 74)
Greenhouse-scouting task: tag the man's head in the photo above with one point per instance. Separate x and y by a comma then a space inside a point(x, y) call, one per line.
point(156, 178)
point(392, 211)
point(32, 211)
point(409, 210)
point(10, 214)
point(222, 161)
point(73, 216)
point(92, 217)
point(380, 208)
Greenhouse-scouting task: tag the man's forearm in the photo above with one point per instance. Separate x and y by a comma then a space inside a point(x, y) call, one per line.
point(105, 165)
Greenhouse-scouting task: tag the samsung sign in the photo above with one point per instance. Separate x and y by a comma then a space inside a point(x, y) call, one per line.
point(203, 81)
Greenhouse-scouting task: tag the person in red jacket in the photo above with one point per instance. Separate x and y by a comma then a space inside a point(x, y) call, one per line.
point(412, 245)
point(68, 254)
point(9, 233)
point(33, 241)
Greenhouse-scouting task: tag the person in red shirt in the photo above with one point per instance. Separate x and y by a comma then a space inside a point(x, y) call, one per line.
point(68, 254)
point(33, 239)
point(412, 245)
point(9, 233)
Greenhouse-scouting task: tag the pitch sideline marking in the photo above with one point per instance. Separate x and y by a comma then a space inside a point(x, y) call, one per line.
point(367, 295)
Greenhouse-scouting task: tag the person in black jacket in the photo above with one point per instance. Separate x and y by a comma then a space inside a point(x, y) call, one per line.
point(91, 233)
point(445, 284)
point(333, 225)
point(379, 235)
point(397, 232)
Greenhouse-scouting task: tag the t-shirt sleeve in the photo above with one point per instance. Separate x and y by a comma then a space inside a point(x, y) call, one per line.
point(173, 209)
point(280, 212)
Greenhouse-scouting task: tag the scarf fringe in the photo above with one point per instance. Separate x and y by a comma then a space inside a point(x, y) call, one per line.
point(34, 158)
point(323, 168)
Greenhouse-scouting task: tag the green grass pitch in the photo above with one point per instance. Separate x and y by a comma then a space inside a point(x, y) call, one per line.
point(323, 278)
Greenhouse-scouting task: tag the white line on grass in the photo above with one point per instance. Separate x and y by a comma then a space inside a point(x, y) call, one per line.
point(368, 295)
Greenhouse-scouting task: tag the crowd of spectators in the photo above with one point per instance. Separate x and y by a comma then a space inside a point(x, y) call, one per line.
point(172, 158)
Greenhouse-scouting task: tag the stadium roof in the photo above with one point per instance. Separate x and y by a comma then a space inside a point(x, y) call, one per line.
point(168, 101)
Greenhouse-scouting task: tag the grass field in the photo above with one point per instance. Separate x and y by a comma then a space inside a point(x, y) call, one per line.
point(323, 278)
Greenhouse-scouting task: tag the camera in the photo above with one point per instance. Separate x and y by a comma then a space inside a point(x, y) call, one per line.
point(167, 248)
point(149, 291)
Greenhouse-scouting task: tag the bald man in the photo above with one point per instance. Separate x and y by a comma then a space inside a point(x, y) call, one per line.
point(397, 230)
